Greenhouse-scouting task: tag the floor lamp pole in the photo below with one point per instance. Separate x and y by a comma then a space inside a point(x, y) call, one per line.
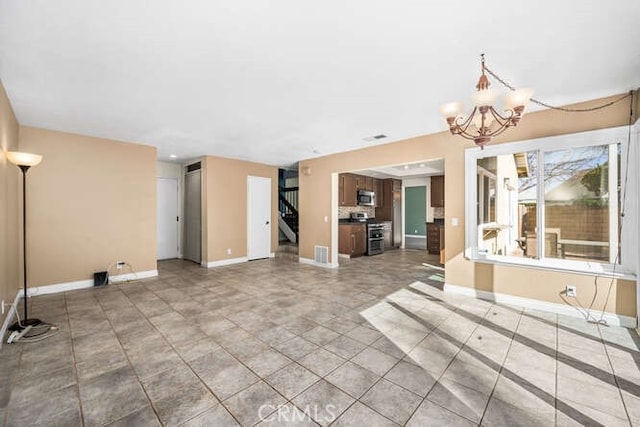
point(24, 161)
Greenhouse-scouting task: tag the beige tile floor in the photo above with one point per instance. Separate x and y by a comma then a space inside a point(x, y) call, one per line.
point(273, 342)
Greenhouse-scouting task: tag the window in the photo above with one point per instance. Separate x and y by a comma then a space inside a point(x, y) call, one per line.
point(553, 202)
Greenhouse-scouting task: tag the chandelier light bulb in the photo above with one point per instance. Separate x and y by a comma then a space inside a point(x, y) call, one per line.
point(451, 109)
point(486, 97)
point(517, 98)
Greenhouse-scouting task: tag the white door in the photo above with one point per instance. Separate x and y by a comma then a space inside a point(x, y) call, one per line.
point(258, 217)
point(168, 218)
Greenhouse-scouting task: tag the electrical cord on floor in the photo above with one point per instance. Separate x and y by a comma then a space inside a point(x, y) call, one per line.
point(48, 330)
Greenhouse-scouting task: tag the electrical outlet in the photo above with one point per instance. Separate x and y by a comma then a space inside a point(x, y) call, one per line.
point(120, 264)
point(571, 291)
point(228, 251)
point(3, 307)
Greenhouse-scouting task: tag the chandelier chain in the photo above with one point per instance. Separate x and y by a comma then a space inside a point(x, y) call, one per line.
point(568, 110)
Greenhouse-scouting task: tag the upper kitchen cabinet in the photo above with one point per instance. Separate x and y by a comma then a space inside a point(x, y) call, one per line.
point(364, 182)
point(348, 192)
point(378, 190)
point(437, 191)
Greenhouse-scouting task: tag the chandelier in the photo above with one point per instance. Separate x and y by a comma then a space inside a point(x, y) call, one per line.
point(485, 121)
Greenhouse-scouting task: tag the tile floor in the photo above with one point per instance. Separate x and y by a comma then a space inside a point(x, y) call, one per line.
point(274, 342)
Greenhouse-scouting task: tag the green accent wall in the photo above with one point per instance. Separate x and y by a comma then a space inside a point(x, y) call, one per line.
point(415, 210)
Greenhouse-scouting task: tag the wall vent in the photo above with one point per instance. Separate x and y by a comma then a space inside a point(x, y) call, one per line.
point(321, 254)
point(193, 167)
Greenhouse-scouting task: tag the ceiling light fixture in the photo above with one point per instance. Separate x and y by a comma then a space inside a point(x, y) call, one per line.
point(173, 156)
point(485, 121)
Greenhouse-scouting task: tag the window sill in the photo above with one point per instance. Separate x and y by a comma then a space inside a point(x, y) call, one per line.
point(564, 266)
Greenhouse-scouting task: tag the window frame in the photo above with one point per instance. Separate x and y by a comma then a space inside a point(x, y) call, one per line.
point(610, 136)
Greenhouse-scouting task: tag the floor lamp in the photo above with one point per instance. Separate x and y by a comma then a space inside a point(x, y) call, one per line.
point(24, 161)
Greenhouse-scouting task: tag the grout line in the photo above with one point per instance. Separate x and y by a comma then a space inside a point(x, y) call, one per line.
point(73, 357)
point(448, 365)
point(484, 413)
point(555, 406)
point(615, 377)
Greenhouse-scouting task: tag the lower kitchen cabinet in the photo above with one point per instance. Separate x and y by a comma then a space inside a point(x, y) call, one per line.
point(352, 239)
point(435, 238)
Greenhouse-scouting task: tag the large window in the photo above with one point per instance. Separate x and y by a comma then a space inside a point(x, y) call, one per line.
point(553, 202)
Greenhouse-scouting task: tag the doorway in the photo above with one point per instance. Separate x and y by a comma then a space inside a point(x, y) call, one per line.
point(192, 214)
point(168, 219)
point(258, 217)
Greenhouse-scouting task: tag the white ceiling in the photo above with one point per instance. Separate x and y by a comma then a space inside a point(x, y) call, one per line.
point(406, 170)
point(284, 80)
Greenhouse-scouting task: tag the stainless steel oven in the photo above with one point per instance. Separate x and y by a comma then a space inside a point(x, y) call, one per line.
point(375, 239)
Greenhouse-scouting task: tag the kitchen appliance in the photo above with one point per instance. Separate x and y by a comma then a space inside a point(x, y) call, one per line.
point(375, 239)
point(366, 198)
point(358, 217)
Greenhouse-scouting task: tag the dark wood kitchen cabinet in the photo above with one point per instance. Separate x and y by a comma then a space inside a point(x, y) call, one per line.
point(437, 191)
point(377, 189)
point(352, 239)
point(435, 238)
point(347, 190)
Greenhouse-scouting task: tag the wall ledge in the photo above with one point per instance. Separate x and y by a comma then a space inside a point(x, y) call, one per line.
point(551, 307)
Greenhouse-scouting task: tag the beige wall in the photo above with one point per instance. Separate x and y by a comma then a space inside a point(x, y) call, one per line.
point(10, 272)
point(224, 187)
point(315, 203)
point(92, 202)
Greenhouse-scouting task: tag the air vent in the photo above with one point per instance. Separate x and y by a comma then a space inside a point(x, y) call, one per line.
point(193, 167)
point(374, 137)
point(321, 254)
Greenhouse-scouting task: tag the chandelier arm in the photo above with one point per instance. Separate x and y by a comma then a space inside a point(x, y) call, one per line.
point(467, 136)
point(502, 121)
point(500, 130)
point(465, 124)
point(567, 110)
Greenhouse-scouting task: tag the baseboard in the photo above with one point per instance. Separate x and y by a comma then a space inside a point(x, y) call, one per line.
point(83, 284)
point(552, 307)
point(10, 315)
point(223, 262)
point(309, 261)
point(128, 277)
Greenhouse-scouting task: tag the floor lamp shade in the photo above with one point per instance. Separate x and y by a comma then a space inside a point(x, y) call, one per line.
point(23, 159)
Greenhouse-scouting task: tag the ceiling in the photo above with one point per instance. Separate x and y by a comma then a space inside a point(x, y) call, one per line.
point(284, 80)
point(406, 170)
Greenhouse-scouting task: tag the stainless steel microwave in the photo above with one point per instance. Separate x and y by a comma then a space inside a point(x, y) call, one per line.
point(366, 198)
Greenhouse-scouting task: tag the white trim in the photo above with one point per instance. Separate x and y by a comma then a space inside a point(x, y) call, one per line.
point(611, 318)
point(128, 277)
point(224, 262)
point(10, 315)
point(317, 264)
point(583, 139)
point(83, 284)
point(415, 236)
